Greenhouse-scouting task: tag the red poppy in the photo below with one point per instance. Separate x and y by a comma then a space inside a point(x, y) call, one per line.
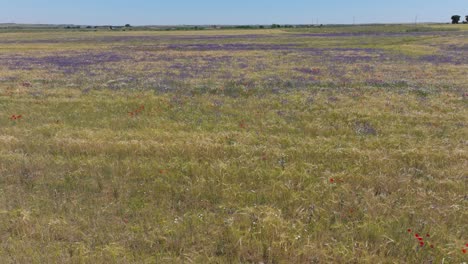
point(416, 235)
point(409, 230)
point(432, 246)
point(464, 251)
point(20, 116)
point(421, 243)
point(427, 235)
point(466, 244)
point(420, 238)
point(332, 180)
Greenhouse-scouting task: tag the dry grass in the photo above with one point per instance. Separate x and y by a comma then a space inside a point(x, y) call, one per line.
point(316, 175)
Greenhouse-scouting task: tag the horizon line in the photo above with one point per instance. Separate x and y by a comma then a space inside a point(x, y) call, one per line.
point(212, 24)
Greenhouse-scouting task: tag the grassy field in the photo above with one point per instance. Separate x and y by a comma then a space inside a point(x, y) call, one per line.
point(323, 145)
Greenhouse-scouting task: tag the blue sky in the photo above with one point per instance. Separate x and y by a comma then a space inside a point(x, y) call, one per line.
point(177, 12)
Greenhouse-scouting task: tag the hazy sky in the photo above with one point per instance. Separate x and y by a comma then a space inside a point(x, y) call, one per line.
point(176, 12)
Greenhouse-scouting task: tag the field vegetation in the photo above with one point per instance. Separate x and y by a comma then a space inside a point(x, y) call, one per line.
point(321, 145)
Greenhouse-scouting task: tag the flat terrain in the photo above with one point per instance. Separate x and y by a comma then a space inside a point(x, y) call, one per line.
point(320, 145)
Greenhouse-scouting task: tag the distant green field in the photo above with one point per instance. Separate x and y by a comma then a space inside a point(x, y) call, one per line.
point(319, 145)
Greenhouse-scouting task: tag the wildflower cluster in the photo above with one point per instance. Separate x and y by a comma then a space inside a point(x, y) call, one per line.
point(333, 180)
point(242, 124)
point(420, 238)
point(137, 111)
point(16, 117)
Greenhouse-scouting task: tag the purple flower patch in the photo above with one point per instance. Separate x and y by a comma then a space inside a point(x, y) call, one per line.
point(66, 63)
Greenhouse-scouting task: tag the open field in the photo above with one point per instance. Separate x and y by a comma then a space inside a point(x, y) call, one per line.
point(323, 145)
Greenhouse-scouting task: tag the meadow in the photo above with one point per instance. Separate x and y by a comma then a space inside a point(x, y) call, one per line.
point(320, 145)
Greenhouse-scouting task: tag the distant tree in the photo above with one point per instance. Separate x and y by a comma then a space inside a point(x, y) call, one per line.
point(127, 25)
point(89, 27)
point(455, 19)
point(466, 19)
point(261, 27)
point(275, 26)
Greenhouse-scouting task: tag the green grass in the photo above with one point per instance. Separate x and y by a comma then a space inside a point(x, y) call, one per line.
point(314, 175)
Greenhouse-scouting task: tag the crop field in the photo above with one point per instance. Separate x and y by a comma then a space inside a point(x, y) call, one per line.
point(318, 145)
